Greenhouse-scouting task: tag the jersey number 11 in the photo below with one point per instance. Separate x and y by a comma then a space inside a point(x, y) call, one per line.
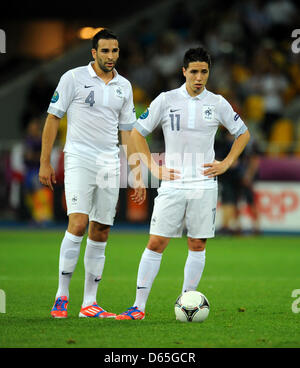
point(174, 117)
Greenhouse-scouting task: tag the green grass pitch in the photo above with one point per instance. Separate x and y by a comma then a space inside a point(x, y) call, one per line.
point(248, 281)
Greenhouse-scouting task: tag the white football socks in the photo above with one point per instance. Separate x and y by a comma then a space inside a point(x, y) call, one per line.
point(148, 269)
point(193, 269)
point(68, 257)
point(94, 259)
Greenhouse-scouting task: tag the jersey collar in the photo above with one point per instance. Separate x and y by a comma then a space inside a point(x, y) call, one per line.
point(184, 91)
point(94, 75)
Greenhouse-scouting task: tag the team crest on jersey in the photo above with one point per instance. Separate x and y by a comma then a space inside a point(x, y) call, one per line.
point(208, 112)
point(55, 97)
point(119, 92)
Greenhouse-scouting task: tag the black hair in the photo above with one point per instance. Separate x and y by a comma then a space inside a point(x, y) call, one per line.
point(196, 54)
point(103, 34)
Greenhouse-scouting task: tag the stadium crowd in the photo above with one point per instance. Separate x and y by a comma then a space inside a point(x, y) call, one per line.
point(253, 67)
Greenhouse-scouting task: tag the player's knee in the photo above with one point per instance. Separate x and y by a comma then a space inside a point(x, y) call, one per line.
point(196, 245)
point(98, 232)
point(77, 225)
point(157, 243)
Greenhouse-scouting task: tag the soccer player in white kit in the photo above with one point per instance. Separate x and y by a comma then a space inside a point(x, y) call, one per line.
point(98, 102)
point(189, 117)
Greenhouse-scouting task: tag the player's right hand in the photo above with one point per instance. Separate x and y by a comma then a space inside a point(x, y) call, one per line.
point(47, 175)
point(139, 195)
point(163, 173)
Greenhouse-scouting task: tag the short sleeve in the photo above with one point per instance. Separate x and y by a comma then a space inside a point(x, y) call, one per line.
point(151, 117)
point(127, 116)
point(230, 119)
point(63, 95)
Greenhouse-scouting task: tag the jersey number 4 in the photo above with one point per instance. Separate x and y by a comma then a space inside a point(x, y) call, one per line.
point(90, 99)
point(175, 121)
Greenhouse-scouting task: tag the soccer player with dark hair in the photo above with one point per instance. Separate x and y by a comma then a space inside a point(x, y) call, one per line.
point(98, 102)
point(189, 116)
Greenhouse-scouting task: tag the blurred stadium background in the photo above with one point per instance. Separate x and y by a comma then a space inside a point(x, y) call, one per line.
point(256, 66)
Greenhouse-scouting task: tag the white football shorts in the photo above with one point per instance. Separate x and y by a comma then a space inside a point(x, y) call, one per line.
point(176, 209)
point(91, 189)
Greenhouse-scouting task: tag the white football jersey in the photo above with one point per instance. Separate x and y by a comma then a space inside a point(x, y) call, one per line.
point(189, 126)
point(95, 112)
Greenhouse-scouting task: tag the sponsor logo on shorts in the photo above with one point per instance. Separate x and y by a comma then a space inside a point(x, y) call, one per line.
point(74, 199)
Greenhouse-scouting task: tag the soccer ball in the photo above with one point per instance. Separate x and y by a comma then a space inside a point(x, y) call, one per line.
point(191, 306)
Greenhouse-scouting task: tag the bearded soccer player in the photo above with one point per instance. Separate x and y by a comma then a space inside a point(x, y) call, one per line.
point(98, 102)
point(189, 117)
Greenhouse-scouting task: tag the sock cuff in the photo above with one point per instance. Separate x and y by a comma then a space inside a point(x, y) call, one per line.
point(152, 254)
point(198, 254)
point(74, 238)
point(96, 243)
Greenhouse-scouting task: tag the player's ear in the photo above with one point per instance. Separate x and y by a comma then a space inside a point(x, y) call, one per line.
point(183, 71)
point(94, 52)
